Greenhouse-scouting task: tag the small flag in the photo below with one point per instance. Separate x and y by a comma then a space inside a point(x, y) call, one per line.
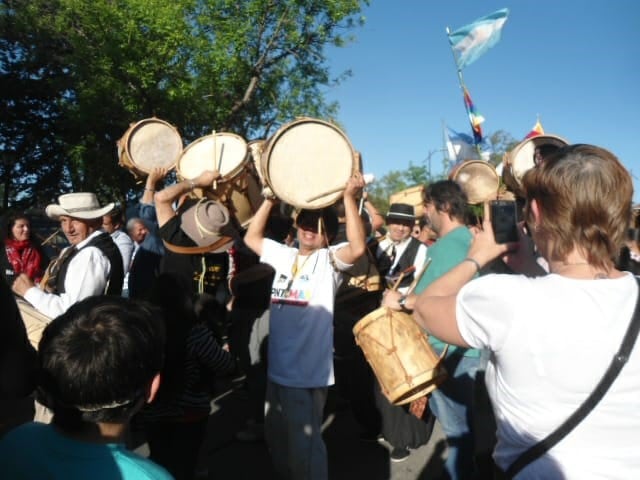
point(460, 146)
point(536, 130)
point(474, 117)
point(472, 41)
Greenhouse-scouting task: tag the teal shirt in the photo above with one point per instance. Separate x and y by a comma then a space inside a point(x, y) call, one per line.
point(446, 253)
point(38, 451)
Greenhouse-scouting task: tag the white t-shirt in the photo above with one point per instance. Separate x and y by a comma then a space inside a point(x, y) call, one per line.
point(551, 340)
point(301, 316)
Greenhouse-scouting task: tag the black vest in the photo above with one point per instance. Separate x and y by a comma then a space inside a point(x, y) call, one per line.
point(107, 246)
point(405, 261)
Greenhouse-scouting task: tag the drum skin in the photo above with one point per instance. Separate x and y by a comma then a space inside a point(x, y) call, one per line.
point(478, 179)
point(221, 151)
point(520, 160)
point(307, 163)
point(399, 354)
point(148, 144)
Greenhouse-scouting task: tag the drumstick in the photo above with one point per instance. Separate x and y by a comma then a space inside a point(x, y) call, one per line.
point(419, 276)
point(402, 274)
point(215, 182)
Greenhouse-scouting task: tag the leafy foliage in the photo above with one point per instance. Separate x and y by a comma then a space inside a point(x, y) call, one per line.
point(74, 74)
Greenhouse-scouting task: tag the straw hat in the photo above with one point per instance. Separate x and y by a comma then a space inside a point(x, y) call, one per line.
point(82, 205)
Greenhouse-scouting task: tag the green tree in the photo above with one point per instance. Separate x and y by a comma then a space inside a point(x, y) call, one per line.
point(75, 73)
point(399, 180)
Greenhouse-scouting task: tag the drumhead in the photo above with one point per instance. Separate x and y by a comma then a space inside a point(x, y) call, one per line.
point(308, 162)
point(152, 143)
point(520, 159)
point(222, 151)
point(478, 179)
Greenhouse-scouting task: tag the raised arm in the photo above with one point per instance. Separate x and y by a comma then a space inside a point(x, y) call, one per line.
point(164, 198)
point(151, 185)
point(355, 228)
point(255, 233)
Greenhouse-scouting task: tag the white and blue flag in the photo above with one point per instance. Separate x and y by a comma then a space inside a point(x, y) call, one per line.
point(472, 41)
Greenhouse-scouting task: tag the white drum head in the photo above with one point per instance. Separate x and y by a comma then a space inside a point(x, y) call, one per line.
point(308, 163)
point(225, 152)
point(153, 143)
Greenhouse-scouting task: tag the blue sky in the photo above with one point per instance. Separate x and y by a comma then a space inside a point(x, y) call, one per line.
point(576, 64)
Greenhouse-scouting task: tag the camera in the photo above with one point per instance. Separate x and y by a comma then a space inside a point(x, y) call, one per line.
point(504, 220)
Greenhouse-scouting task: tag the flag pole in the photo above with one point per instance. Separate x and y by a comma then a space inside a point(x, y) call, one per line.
point(462, 89)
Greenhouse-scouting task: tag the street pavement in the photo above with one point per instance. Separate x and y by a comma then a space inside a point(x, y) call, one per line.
point(224, 457)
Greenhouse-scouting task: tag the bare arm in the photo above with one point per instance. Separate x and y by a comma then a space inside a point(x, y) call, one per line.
point(355, 228)
point(435, 307)
point(377, 219)
point(164, 198)
point(255, 233)
point(151, 184)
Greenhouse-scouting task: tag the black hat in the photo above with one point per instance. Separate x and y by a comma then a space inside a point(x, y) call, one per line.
point(401, 211)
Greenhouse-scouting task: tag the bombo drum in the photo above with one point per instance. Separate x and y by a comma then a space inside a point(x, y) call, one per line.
point(477, 178)
point(308, 162)
point(239, 187)
point(34, 322)
point(399, 354)
point(149, 144)
point(519, 160)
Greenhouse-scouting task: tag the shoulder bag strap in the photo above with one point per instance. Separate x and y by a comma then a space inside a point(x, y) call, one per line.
point(612, 372)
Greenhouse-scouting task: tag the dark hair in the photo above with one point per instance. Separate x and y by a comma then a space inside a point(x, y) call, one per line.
point(447, 196)
point(9, 221)
point(584, 194)
point(116, 215)
point(329, 218)
point(96, 360)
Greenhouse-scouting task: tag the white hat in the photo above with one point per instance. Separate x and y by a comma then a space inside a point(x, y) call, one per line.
point(82, 205)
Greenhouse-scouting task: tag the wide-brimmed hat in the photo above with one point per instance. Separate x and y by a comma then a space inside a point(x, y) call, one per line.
point(82, 205)
point(401, 211)
point(206, 223)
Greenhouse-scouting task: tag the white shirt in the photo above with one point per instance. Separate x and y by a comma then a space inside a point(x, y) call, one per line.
point(87, 275)
point(125, 245)
point(552, 338)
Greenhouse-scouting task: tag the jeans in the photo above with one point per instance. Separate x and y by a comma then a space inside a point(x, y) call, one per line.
point(452, 404)
point(293, 431)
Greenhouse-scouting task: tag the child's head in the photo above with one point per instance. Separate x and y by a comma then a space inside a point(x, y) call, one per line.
point(99, 361)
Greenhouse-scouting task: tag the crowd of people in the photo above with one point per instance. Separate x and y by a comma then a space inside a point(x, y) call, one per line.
point(144, 313)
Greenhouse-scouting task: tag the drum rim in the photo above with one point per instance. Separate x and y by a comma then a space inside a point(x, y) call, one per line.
point(273, 140)
point(230, 176)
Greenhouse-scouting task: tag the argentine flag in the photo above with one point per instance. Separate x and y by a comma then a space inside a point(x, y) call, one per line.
point(473, 40)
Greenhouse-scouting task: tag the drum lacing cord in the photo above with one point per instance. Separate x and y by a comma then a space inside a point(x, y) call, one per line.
point(393, 349)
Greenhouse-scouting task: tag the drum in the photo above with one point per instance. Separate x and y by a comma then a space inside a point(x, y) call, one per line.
point(519, 160)
point(239, 188)
point(308, 162)
point(148, 144)
point(255, 148)
point(411, 196)
point(399, 354)
point(478, 180)
point(34, 321)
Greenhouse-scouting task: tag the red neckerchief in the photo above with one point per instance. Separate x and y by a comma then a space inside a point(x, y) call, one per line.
point(24, 258)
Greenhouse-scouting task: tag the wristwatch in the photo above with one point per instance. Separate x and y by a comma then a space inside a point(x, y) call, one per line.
point(402, 301)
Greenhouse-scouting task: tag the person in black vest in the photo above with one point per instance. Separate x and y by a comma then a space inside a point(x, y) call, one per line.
point(197, 237)
point(91, 265)
point(398, 250)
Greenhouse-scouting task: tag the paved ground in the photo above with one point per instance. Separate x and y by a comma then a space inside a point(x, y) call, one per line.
point(349, 457)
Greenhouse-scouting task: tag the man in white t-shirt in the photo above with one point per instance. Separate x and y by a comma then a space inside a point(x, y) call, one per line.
point(300, 367)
